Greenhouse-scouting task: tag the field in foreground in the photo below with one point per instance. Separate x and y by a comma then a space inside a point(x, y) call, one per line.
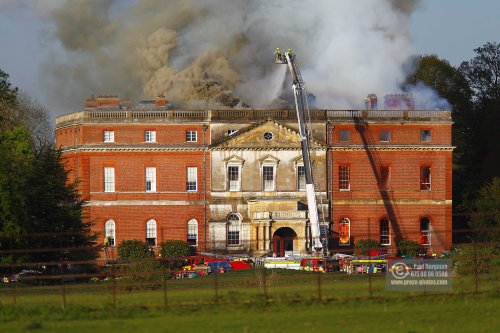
point(285, 301)
point(430, 313)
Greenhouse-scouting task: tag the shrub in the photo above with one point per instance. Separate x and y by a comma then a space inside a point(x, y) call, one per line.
point(485, 257)
point(174, 249)
point(363, 246)
point(409, 248)
point(139, 274)
point(132, 249)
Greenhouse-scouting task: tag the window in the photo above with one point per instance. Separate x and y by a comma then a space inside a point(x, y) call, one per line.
point(109, 136)
point(233, 178)
point(268, 178)
point(109, 179)
point(301, 178)
point(425, 135)
point(231, 132)
point(192, 179)
point(109, 232)
point(385, 136)
point(192, 233)
point(425, 231)
point(344, 180)
point(150, 179)
point(151, 233)
point(384, 183)
point(268, 136)
point(191, 136)
point(344, 231)
point(233, 229)
point(150, 136)
point(385, 237)
point(425, 178)
point(344, 135)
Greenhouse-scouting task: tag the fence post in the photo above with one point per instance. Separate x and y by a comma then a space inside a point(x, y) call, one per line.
point(165, 299)
point(63, 288)
point(370, 291)
point(319, 286)
point(14, 296)
point(113, 283)
point(264, 284)
point(476, 273)
point(216, 285)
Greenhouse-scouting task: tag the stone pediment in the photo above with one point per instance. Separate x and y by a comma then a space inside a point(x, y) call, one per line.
point(269, 135)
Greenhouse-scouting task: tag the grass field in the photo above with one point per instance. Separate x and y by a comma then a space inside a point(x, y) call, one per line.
point(288, 302)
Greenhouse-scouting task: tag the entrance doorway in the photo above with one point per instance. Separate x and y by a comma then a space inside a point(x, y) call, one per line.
point(283, 240)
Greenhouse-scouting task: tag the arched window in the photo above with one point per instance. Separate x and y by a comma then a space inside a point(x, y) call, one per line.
point(425, 231)
point(385, 234)
point(233, 229)
point(344, 231)
point(192, 232)
point(109, 232)
point(151, 232)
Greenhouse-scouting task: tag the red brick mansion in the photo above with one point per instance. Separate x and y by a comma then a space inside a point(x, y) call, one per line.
point(233, 180)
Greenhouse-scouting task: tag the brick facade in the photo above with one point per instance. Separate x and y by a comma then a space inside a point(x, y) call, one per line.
point(401, 141)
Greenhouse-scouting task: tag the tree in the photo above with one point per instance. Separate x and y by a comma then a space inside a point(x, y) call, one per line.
point(174, 249)
point(132, 250)
point(486, 213)
point(8, 99)
point(483, 73)
point(16, 163)
point(55, 208)
point(8, 94)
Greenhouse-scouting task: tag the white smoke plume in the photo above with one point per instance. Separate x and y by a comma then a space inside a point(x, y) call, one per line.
point(219, 53)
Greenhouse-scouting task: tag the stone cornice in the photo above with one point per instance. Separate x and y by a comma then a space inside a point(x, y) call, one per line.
point(391, 148)
point(130, 149)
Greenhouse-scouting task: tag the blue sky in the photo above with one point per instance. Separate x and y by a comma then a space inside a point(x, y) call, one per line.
point(449, 28)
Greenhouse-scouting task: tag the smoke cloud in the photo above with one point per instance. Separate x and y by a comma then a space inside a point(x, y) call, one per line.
point(219, 53)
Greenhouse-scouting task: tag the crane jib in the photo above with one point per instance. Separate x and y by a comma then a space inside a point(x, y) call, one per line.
point(300, 106)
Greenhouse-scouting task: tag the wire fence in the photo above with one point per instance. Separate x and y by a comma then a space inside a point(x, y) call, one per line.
point(162, 282)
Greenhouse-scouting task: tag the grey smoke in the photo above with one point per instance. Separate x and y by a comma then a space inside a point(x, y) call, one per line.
point(219, 53)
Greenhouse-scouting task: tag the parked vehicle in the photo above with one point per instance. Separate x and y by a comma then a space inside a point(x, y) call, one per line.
point(315, 265)
point(239, 265)
point(219, 267)
point(29, 276)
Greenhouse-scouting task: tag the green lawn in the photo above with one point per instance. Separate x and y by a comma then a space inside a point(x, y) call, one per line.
point(294, 304)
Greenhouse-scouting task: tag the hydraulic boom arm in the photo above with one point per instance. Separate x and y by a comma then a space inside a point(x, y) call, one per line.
point(299, 92)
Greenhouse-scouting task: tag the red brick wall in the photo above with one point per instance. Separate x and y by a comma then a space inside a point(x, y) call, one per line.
point(401, 134)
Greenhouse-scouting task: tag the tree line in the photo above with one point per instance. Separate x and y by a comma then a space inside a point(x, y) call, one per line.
point(38, 208)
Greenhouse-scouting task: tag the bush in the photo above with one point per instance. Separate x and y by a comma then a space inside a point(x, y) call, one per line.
point(139, 274)
point(132, 250)
point(485, 256)
point(174, 249)
point(363, 246)
point(409, 248)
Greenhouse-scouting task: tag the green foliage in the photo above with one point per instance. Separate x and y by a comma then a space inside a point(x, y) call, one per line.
point(174, 249)
point(483, 72)
point(8, 94)
point(132, 249)
point(486, 217)
point(409, 248)
point(364, 246)
point(468, 258)
point(139, 274)
point(35, 198)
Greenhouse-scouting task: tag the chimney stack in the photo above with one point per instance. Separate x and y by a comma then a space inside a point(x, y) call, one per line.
point(161, 101)
point(371, 102)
